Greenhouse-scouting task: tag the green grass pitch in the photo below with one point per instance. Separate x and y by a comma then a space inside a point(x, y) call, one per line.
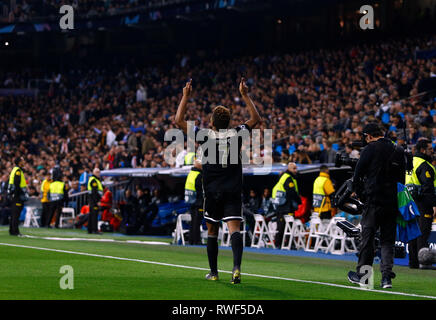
point(114, 270)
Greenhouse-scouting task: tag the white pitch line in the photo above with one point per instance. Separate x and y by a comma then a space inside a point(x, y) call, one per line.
point(99, 240)
point(223, 271)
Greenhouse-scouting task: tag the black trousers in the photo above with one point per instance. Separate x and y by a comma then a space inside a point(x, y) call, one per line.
point(93, 218)
point(325, 215)
point(16, 209)
point(55, 209)
point(196, 218)
point(373, 218)
point(417, 244)
point(46, 214)
point(280, 229)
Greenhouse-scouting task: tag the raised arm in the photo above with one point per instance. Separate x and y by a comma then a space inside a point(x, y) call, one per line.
point(181, 110)
point(254, 114)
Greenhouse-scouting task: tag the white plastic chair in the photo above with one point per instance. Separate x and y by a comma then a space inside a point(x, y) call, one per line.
point(32, 217)
point(318, 235)
point(179, 232)
point(299, 234)
point(288, 232)
point(66, 215)
point(261, 233)
point(340, 243)
point(203, 234)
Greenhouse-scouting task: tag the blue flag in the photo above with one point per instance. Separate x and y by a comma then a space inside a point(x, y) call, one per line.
point(407, 223)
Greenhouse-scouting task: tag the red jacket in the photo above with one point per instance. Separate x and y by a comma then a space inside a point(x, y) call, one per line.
point(106, 200)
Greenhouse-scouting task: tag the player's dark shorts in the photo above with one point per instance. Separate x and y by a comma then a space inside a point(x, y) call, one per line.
point(223, 206)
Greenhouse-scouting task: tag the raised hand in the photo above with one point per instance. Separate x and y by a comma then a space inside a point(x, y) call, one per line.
point(243, 89)
point(187, 90)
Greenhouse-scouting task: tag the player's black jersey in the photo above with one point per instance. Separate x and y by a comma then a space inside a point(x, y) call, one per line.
point(220, 154)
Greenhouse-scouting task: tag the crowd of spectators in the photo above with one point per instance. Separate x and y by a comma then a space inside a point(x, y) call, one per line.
point(316, 103)
point(26, 10)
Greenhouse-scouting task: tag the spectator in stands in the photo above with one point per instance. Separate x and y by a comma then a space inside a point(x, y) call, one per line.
point(148, 210)
point(129, 209)
point(251, 204)
point(102, 102)
point(327, 155)
point(5, 211)
point(266, 204)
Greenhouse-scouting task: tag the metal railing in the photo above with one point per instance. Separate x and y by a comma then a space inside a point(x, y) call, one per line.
point(78, 200)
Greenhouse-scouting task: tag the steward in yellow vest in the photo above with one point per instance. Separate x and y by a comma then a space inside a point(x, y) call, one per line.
point(194, 196)
point(58, 197)
point(17, 193)
point(285, 194)
point(422, 184)
point(285, 198)
point(45, 188)
point(17, 188)
point(322, 189)
point(95, 189)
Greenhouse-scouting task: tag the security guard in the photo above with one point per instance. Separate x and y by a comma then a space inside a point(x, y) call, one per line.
point(58, 196)
point(95, 189)
point(422, 185)
point(189, 158)
point(17, 192)
point(46, 210)
point(194, 196)
point(285, 198)
point(322, 190)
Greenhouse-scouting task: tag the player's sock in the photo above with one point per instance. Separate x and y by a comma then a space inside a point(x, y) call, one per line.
point(212, 253)
point(237, 248)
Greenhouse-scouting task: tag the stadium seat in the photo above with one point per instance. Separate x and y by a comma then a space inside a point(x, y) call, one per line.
point(317, 233)
point(179, 232)
point(32, 217)
point(224, 236)
point(299, 234)
point(288, 232)
point(272, 228)
point(261, 233)
point(203, 234)
point(338, 237)
point(68, 214)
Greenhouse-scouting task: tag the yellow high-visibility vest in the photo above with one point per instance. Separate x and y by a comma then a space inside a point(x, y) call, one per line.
point(56, 191)
point(100, 186)
point(45, 188)
point(319, 196)
point(412, 182)
point(279, 191)
point(189, 158)
point(190, 180)
point(190, 191)
point(23, 184)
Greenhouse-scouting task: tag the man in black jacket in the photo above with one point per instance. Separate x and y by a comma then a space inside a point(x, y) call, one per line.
point(381, 165)
point(422, 184)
